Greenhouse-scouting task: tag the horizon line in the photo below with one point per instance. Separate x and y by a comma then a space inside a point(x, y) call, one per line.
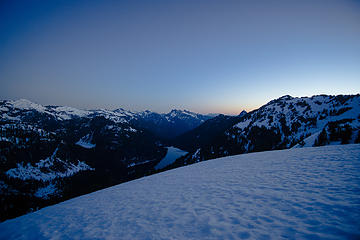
point(171, 109)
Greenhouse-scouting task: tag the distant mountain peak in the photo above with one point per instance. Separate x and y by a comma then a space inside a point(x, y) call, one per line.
point(25, 104)
point(120, 110)
point(180, 113)
point(243, 113)
point(282, 123)
point(286, 97)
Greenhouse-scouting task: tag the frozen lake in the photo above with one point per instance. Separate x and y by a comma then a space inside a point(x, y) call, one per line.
point(171, 155)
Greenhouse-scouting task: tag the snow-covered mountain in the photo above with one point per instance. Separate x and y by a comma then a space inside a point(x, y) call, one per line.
point(206, 132)
point(282, 123)
point(47, 153)
point(308, 193)
point(17, 110)
point(170, 125)
point(294, 120)
point(50, 153)
point(165, 125)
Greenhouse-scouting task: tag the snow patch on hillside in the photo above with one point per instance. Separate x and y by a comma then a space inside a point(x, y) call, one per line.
point(243, 124)
point(117, 117)
point(24, 104)
point(301, 117)
point(47, 191)
point(47, 169)
point(309, 141)
point(85, 142)
point(66, 113)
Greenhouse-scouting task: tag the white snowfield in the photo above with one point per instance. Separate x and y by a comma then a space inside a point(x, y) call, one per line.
point(308, 193)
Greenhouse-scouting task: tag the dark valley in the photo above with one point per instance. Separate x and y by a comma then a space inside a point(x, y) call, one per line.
point(49, 153)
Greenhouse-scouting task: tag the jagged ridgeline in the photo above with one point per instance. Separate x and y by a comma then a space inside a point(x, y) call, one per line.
point(282, 123)
point(51, 153)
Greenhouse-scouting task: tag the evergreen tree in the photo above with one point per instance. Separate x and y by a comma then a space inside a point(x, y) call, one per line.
point(322, 139)
point(346, 134)
point(358, 138)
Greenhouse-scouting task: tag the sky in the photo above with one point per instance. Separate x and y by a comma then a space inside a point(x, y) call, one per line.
point(207, 56)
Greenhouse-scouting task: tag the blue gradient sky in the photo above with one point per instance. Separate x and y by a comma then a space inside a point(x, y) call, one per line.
point(205, 56)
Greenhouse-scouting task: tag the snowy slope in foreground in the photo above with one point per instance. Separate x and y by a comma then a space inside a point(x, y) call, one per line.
point(297, 193)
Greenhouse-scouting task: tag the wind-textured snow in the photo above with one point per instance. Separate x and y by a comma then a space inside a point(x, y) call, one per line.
point(306, 193)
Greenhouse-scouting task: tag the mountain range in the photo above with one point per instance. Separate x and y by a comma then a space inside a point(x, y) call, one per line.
point(282, 123)
point(52, 153)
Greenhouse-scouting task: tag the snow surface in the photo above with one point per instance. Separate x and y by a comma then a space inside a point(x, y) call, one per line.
point(309, 141)
point(24, 104)
point(11, 110)
point(115, 116)
point(47, 191)
point(133, 164)
point(196, 155)
point(67, 113)
point(181, 114)
point(305, 193)
point(130, 129)
point(295, 110)
point(85, 142)
point(46, 169)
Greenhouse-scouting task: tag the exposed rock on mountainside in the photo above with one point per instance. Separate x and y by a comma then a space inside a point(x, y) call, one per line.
point(51, 153)
point(282, 123)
